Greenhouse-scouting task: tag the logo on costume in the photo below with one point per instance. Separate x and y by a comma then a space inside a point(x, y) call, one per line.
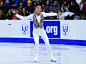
point(24, 29)
point(65, 29)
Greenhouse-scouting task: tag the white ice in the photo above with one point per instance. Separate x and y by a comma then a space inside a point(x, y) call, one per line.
point(23, 53)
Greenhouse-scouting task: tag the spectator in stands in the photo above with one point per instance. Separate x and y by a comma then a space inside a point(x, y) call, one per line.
point(60, 15)
point(65, 6)
point(25, 1)
point(47, 6)
point(40, 1)
point(21, 5)
point(74, 7)
point(3, 7)
point(51, 1)
point(1, 0)
point(9, 15)
point(29, 7)
point(55, 7)
point(8, 1)
point(14, 17)
point(24, 13)
point(15, 2)
point(1, 15)
point(13, 9)
point(33, 3)
point(43, 1)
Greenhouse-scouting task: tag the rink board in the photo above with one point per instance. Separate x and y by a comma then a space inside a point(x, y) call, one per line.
point(71, 32)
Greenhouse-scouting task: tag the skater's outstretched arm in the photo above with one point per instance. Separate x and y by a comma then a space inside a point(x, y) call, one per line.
point(49, 14)
point(68, 13)
point(30, 17)
point(78, 1)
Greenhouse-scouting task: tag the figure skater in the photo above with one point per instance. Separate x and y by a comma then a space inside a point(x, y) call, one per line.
point(38, 18)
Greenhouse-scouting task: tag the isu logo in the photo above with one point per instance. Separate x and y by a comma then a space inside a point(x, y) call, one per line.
point(24, 29)
point(65, 29)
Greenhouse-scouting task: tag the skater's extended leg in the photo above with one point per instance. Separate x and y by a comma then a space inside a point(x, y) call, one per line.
point(36, 46)
point(46, 40)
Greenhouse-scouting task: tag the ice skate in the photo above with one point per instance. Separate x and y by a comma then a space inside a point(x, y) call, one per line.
point(36, 57)
point(52, 58)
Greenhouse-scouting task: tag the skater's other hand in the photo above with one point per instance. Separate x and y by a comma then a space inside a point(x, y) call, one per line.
point(51, 12)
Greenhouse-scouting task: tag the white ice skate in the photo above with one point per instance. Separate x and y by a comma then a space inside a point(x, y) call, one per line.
point(35, 57)
point(52, 57)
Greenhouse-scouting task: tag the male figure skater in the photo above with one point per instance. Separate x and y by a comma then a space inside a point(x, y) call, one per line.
point(38, 18)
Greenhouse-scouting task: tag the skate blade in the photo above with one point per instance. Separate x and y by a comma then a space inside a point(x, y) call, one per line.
point(53, 61)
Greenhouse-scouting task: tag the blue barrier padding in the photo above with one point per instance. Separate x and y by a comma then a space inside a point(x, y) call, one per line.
point(52, 41)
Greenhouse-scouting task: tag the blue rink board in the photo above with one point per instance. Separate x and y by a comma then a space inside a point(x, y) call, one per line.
point(52, 41)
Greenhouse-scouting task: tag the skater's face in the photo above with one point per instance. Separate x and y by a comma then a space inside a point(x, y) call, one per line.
point(38, 9)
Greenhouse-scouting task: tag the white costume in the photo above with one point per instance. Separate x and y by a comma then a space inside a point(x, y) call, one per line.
point(40, 32)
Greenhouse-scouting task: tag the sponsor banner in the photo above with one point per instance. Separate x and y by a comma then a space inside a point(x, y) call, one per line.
point(52, 29)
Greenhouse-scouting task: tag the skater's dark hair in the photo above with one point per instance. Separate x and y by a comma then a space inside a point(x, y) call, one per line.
point(38, 4)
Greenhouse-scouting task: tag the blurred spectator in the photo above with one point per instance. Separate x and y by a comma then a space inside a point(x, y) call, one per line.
point(14, 17)
point(60, 15)
point(13, 9)
point(9, 15)
point(21, 5)
point(1, 0)
point(55, 7)
point(15, 2)
point(34, 3)
point(65, 6)
point(25, 1)
point(24, 13)
point(51, 1)
point(3, 7)
point(8, 1)
point(43, 2)
point(40, 1)
point(47, 6)
point(74, 7)
point(29, 7)
point(1, 15)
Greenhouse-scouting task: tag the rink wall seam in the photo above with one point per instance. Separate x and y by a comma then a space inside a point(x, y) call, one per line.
point(52, 41)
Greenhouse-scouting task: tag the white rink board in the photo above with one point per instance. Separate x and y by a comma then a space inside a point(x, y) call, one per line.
point(13, 30)
point(76, 29)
